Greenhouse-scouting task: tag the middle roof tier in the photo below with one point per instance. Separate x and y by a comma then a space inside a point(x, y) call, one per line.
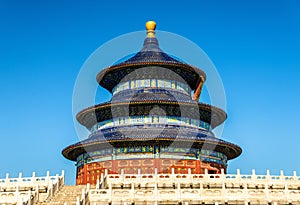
point(150, 102)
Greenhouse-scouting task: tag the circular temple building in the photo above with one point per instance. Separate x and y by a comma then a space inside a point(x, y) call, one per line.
point(153, 122)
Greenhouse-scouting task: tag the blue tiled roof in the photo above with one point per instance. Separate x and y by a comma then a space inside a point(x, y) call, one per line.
point(151, 53)
point(149, 134)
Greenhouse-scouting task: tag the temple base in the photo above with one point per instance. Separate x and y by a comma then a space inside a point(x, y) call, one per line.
point(91, 172)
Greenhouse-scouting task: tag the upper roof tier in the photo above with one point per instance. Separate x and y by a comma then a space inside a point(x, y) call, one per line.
point(150, 55)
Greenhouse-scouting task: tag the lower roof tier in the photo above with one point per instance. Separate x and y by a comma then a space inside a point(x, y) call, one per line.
point(110, 110)
point(152, 152)
point(174, 135)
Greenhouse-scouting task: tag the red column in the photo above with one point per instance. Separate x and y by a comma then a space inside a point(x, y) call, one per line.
point(157, 164)
point(197, 167)
point(84, 179)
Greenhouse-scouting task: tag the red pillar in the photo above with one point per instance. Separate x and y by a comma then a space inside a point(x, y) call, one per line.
point(84, 178)
point(114, 167)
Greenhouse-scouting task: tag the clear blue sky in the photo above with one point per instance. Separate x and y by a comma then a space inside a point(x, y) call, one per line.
point(254, 44)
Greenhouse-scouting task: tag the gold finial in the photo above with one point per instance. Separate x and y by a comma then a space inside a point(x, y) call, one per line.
point(150, 26)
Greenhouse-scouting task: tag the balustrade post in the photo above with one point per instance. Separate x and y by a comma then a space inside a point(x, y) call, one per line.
point(29, 197)
point(82, 193)
point(268, 175)
point(7, 179)
point(20, 178)
point(62, 177)
point(33, 178)
point(267, 190)
point(77, 200)
point(224, 194)
point(286, 192)
point(178, 192)
point(110, 192)
point(57, 183)
point(222, 175)
point(102, 178)
point(222, 171)
point(238, 174)
point(253, 174)
point(122, 175)
point(48, 177)
point(201, 190)
point(206, 174)
point(83, 196)
point(190, 175)
point(17, 194)
point(20, 200)
point(37, 191)
point(155, 173)
point(62, 173)
point(295, 176)
point(281, 176)
point(102, 181)
point(139, 176)
point(173, 175)
point(17, 189)
point(132, 191)
point(35, 198)
point(98, 184)
point(51, 189)
point(245, 192)
point(156, 193)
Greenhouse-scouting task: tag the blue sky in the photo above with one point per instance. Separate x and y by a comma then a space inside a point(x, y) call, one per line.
point(254, 45)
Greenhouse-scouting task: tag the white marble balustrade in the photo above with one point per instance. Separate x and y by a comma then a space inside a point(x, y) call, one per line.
point(29, 190)
point(197, 189)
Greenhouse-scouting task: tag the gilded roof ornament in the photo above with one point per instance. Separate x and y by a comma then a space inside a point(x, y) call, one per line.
point(150, 26)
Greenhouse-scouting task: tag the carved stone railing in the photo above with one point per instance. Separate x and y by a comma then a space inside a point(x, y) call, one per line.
point(84, 199)
point(197, 189)
point(56, 183)
point(29, 190)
